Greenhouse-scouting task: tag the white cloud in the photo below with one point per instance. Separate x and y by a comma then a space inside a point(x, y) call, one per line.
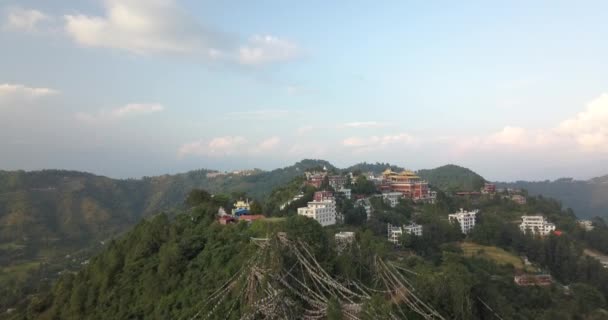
point(19, 92)
point(305, 129)
point(364, 124)
point(162, 27)
point(264, 114)
point(26, 20)
point(228, 146)
point(144, 26)
point(262, 49)
point(219, 146)
point(373, 143)
point(587, 131)
point(269, 144)
point(509, 136)
point(590, 127)
point(128, 110)
point(137, 109)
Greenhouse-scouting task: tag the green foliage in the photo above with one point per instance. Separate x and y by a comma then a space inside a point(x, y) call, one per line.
point(363, 186)
point(169, 264)
point(375, 168)
point(453, 178)
point(587, 198)
point(256, 208)
point(355, 216)
point(197, 197)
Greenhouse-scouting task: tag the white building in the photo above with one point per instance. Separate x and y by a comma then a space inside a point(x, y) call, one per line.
point(345, 192)
point(295, 198)
point(413, 229)
point(394, 233)
point(365, 204)
point(519, 199)
point(392, 198)
point(466, 219)
point(343, 240)
point(323, 211)
point(586, 224)
point(536, 224)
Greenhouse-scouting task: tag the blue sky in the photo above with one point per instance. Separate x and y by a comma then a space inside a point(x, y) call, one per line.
point(513, 90)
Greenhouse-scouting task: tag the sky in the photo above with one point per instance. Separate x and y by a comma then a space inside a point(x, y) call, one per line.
point(514, 90)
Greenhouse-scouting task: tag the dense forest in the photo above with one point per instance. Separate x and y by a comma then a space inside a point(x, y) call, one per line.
point(189, 266)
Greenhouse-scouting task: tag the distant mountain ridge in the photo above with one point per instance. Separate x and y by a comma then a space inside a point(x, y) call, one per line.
point(588, 198)
point(79, 207)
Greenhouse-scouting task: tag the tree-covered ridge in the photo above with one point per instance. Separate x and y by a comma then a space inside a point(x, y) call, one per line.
point(48, 216)
point(452, 178)
point(587, 198)
point(376, 168)
point(192, 267)
point(56, 205)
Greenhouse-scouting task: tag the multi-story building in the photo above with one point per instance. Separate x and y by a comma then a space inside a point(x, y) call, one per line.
point(346, 192)
point(394, 234)
point(536, 225)
point(343, 240)
point(241, 208)
point(365, 204)
point(337, 182)
point(586, 224)
point(392, 198)
point(408, 184)
point(413, 229)
point(466, 219)
point(323, 195)
point(489, 188)
point(519, 199)
point(323, 211)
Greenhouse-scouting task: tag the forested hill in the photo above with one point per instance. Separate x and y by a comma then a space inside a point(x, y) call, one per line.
point(69, 206)
point(57, 208)
point(376, 168)
point(588, 198)
point(453, 178)
point(191, 267)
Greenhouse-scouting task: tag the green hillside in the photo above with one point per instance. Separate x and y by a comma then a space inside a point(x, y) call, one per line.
point(587, 198)
point(191, 267)
point(53, 206)
point(452, 178)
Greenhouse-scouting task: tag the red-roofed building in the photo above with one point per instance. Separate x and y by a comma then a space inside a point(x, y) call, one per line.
point(251, 217)
point(533, 280)
point(226, 219)
point(323, 195)
point(489, 188)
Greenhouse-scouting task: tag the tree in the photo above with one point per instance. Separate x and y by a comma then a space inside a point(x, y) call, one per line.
point(197, 196)
point(364, 186)
point(355, 216)
point(256, 208)
point(587, 297)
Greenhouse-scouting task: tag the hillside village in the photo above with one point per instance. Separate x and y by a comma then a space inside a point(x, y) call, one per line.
point(514, 242)
point(393, 188)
